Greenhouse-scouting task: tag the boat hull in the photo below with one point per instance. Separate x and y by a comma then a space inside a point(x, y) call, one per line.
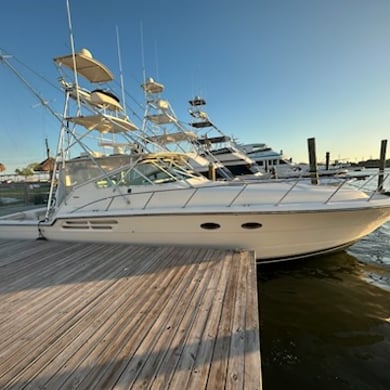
point(272, 235)
point(15, 230)
point(22, 225)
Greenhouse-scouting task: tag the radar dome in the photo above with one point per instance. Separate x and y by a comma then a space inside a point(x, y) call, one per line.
point(86, 53)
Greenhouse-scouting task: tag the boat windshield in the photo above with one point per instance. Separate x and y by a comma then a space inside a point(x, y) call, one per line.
point(83, 169)
point(125, 170)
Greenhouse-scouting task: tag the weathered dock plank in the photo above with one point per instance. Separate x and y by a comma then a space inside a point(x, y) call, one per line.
point(103, 316)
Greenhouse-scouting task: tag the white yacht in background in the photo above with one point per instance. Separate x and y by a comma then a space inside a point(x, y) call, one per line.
point(162, 130)
point(158, 199)
point(270, 160)
point(161, 127)
point(212, 141)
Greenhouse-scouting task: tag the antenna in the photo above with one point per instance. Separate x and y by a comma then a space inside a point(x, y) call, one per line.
point(73, 52)
point(143, 52)
point(156, 59)
point(120, 70)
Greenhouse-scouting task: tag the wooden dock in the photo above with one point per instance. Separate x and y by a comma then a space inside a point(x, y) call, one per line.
point(103, 316)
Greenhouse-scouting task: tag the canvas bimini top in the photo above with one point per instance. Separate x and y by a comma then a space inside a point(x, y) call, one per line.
point(83, 62)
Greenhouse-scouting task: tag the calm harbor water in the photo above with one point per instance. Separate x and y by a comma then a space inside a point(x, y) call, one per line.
point(325, 321)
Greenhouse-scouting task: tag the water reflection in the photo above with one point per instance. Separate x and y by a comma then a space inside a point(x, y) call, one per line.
point(375, 247)
point(323, 326)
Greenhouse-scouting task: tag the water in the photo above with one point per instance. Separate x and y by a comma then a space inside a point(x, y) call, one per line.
point(325, 321)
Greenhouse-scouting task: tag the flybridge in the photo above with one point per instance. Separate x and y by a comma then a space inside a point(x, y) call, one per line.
point(214, 140)
point(84, 64)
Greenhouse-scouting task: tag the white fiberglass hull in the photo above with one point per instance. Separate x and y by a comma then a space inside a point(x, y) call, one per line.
point(278, 220)
point(11, 230)
point(23, 225)
point(273, 236)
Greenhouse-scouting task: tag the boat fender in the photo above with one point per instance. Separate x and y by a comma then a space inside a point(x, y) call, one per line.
point(129, 190)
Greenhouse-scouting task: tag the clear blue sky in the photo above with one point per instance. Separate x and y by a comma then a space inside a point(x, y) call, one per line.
point(274, 71)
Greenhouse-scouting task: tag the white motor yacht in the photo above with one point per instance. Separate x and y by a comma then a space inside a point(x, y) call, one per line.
point(158, 199)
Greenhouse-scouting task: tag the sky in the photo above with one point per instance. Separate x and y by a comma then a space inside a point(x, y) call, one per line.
point(273, 71)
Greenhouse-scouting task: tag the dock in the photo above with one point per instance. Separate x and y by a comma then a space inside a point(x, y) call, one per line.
point(116, 316)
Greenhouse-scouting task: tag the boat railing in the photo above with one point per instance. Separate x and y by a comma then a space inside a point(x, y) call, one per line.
point(287, 192)
point(244, 187)
point(148, 200)
point(241, 188)
point(379, 188)
point(195, 190)
point(371, 178)
point(342, 183)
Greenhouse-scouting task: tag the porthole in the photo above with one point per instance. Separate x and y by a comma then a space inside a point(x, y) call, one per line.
point(210, 226)
point(251, 225)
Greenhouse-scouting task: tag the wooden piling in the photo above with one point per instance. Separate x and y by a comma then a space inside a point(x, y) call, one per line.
point(327, 160)
point(382, 165)
point(311, 142)
point(212, 172)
